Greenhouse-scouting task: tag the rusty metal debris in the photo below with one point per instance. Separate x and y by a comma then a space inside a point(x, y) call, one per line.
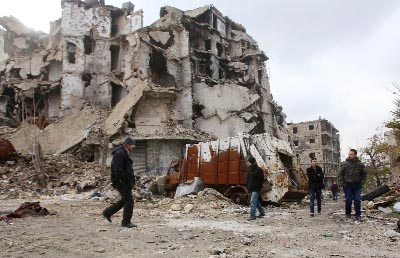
point(222, 165)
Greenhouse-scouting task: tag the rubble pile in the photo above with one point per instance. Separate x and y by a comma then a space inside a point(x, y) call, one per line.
point(140, 193)
point(205, 203)
point(6, 132)
point(190, 76)
point(384, 205)
point(64, 174)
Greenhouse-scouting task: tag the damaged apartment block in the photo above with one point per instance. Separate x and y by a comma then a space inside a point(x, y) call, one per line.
point(190, 76)
point(317, 139)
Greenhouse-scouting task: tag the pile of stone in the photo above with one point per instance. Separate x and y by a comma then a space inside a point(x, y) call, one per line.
point(6, 132)
point(64, 174)
point(385, 205)
point(206, 202)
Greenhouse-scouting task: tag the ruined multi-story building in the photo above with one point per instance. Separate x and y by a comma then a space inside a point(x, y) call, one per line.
point(319, 139)
point(190, 76)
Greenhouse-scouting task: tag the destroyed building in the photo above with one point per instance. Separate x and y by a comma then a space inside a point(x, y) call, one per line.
point(190, 76)
point(393, 155)
point(317, 139)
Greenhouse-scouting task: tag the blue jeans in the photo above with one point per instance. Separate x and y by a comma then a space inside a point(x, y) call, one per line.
point(334, 195)
point(352, 192)
point(316, 192)
point(256, 204)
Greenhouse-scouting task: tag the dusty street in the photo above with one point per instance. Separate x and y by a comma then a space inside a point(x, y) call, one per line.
point(213, 228)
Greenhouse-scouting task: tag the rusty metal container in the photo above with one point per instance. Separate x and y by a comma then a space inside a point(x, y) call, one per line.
point(221, 164)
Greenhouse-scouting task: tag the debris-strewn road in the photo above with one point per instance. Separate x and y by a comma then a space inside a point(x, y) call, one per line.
point(212, 228)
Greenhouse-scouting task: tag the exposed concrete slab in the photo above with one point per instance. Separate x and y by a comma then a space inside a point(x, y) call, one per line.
point(36, 64)
point(223, 99)
point(20, 43)
point(222, 129)
point(55, 138)
point(115, 120)
point(198, 11)
point(160, 36)
point(22, 140)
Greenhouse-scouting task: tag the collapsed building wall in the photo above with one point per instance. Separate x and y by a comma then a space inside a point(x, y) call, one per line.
point(188, 77)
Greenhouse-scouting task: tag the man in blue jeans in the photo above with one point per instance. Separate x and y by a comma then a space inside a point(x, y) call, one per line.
point(352, 177)
point(315, 184)
point(255, 180)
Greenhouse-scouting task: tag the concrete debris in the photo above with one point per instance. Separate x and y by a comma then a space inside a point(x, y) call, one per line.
point(385, 210)
point(387, 202)
point(57, 137)
point(206, 203)
point(188, 208)
point(396, 207)
point(65, 175)
point(115, 120)
point(185, 189)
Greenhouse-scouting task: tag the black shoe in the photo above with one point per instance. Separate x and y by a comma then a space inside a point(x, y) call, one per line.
point(251, 218)
point(358, 218)
point(261, 215)
point(107, 217)
point(128, 225)
point(348, 216)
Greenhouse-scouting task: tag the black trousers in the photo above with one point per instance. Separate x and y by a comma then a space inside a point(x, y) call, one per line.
point(125, 202)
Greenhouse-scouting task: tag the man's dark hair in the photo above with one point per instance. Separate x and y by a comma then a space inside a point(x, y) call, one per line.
point(313, 159)
point(251, 159)
point(353, 150)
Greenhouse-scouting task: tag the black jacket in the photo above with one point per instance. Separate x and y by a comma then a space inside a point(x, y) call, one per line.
point(121, 168)
point(335, 188)
point(255, 178)
point(315, 177)
point(352, 172)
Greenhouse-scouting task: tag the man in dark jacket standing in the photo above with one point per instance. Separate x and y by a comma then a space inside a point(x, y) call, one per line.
point(255, 180)
point(123, 180)
point(315, 184)
point(352, 177)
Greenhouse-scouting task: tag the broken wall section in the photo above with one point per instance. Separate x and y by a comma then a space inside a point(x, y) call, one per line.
point(92, 40)
point(29, 74)
point(223, 55)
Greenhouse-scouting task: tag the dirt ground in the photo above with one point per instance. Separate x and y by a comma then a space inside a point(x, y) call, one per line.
point(214, 228)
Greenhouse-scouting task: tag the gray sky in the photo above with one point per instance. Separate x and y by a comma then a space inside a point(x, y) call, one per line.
point(334, 59)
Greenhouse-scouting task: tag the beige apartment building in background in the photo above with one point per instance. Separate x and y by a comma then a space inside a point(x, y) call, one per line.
point(319, 139)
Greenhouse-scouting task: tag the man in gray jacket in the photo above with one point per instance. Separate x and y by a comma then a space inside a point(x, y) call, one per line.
point(352, 177)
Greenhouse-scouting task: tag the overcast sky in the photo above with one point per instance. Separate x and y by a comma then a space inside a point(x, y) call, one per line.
point(331, 59)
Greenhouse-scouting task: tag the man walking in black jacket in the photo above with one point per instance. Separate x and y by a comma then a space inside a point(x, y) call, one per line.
point(255, 180)
point(123, 180)
point(352, 177)
point(315, 184)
